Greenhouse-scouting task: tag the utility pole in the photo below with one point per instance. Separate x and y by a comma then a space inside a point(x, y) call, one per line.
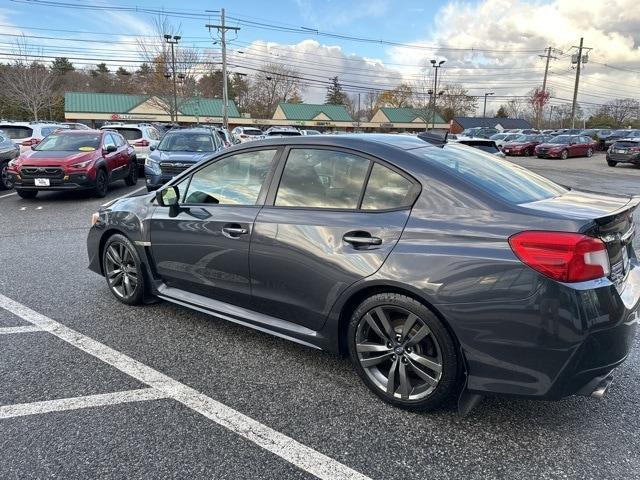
point(173, 40)
point(484, 110)
point(435, 89)
point(222, 29)
point(358, 113)
point(544, 80)
point(575, 88)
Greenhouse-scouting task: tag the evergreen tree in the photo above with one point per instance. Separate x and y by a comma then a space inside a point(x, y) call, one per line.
point(335, 94)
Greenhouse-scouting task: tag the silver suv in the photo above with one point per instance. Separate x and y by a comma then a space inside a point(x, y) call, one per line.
point(27, 134)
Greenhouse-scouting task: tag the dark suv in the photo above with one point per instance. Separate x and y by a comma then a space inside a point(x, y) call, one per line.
point(434, 266)
point(74, 160)
point(179, 149)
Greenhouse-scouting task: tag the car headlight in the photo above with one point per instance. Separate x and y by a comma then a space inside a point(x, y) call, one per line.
point(13, 162)
point(152, 164)
point(82, 164)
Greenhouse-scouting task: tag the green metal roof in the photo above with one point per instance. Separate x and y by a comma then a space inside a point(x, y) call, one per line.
point(101, 102)
point(308, 111)
point(119, 103)
point(408, 115)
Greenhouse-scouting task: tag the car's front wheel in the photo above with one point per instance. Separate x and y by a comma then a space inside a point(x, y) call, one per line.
point(123, 270)
point(611, 163)
point(564, 155)
point(132, 178)
point(590, 152)
point(403, 352)
point(101, 187)
point(5, 179)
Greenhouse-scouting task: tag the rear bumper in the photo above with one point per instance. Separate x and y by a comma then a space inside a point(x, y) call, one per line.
point(624, 158)
point(563, 340)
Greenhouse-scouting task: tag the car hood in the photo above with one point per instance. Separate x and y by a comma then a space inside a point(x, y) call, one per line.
point(182, 157)
point(553, 145)
point(581, 205)
point(35, 157)
point(517, 144)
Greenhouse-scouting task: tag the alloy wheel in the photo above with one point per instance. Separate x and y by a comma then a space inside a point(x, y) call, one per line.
point(399, 353)
point(120, 270)
point(7, 184)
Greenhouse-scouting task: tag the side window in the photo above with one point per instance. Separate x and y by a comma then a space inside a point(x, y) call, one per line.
point(217, 142)
point(322, 179)
point(234, 180)
point(387, 189)
point(108, 140)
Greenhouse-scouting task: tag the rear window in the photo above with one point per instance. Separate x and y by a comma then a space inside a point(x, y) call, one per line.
point(625, 144)
point(16, 131)
point(508, 181)
point(129, 133)
point(251, 131)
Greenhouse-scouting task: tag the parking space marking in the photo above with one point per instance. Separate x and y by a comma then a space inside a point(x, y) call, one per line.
point(8, 195)
point(25, 329)
point(75, 403)
point(299, 455)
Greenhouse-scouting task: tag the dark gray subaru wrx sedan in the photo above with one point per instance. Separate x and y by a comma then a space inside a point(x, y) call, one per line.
point(439, 269)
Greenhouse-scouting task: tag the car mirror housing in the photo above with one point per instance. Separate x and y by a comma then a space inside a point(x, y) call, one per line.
point(110, 148)
point(152, 147)
point(168, 197)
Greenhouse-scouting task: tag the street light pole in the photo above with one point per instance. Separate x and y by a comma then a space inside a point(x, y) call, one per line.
point(173, 40)
point(484, 110)
point(435, 89)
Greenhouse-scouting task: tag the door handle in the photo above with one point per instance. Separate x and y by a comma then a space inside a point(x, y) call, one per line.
point(360, 239)
point(234, 230)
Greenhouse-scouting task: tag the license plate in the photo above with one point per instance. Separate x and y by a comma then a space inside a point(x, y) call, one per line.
point(42, 182)
point(620, 151)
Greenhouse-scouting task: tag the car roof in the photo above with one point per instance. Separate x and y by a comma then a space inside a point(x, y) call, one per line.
point(191, 130)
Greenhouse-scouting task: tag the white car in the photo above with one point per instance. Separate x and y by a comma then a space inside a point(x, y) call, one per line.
point(76, 126)
point(501, 138)
point(310, 132)
point(142, 137)
point(246, 134)
point(28, 134)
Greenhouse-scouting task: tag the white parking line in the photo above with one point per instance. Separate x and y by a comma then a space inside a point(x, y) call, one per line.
point(63, 404)
point(275, 442)
point(8, 195)
point(25, 329)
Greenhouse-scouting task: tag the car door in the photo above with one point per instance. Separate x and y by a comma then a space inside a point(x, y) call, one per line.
point(326, 224)
point(204, 246)
point(123, 154)
point(112, 159)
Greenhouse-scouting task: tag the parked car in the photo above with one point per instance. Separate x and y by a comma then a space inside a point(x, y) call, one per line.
point(524, 145)
point(142, 137)
point(8, 151)
point(624, 151)
point(619, 135)
point(310, 132)
point(565, 146)
point(76, 126)
point(504, 138)
point(282, 132)
point(379, 247)
point(75, 160)
point(488, 146)
point(225, 137)
point(27, 134)
point(179, 149)
point(246, 134)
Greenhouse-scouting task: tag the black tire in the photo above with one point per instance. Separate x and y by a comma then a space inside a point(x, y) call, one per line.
point(132, 178)
point(589, 153)
point(430, 385)
point(564, 155)
point(123, 270)
point(5, 181)
point(527, 152)
point(28, 194)
point(611, 163)
point(102, 184)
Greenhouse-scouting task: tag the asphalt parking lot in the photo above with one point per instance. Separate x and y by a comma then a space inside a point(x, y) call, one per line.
point(90, 388)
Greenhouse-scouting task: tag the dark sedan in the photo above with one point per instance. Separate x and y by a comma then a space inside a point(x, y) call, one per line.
point(436, 267)
point(624, 151)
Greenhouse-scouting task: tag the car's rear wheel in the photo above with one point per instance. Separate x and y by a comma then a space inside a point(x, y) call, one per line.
point(5, 180)
point(611, 163)
point(564, 155)
point(123, 270)
point(528, 152)
point(132, 177)
point(27, 193)
point(102, 184)
point(403, 352)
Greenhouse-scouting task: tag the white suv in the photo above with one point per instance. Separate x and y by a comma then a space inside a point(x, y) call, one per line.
point(27, 134)
point(246, 134)
point(141, 136)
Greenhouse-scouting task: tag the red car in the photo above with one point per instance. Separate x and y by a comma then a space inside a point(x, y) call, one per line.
point(75, 160)
point(524, 144)
point(565, 146)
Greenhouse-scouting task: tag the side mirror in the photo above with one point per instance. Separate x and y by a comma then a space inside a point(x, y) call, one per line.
point(111, 149)
point(152, 147)
point(168, 197)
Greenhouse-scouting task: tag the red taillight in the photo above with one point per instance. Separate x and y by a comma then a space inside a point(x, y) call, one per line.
point(635, 149)
point(30, 142)
point(141, 143)
point(566, 257)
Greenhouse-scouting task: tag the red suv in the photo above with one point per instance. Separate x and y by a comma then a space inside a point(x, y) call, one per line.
point(75, 160)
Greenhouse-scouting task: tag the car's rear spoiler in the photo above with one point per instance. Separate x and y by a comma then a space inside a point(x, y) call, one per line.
point(630, 206)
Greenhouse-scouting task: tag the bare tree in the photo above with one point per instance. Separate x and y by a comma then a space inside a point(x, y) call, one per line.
point(28, 84)
point(157, 54)
point(621, 110)
point(455, 102)
point(274, 83)
point(516, 107)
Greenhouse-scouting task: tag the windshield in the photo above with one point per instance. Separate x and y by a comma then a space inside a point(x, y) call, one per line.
point(501, 178)
point(70, 143)
point(561, 139)
point(187, 142)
